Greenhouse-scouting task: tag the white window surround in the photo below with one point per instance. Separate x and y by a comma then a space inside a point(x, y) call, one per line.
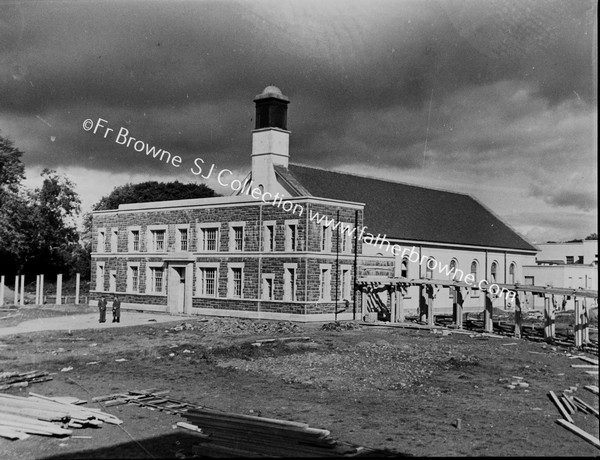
point(130, 238)
point(101, 245)
point(231, 280)
point(112, 281)
point(268, 278)
point(269, 235)
point(200, 243)
point(201, 282)
point(327, 244)
point(291, 246)
point(290, 288)
point(325, 282)
point(150, 277)
point(130, 284)
point(114, 239)
point(100, 274)
point(178, 240)
point(232, 242)
point(151, 232)
point(345, 282)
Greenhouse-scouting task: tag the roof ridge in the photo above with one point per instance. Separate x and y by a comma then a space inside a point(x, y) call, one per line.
point(382, 180)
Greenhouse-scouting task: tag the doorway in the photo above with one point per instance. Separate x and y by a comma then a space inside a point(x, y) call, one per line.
point(179, 296)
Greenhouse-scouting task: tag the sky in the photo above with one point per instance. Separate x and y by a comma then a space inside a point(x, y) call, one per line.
point(494, 98)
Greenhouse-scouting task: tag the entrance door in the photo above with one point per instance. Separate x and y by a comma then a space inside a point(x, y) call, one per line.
point(179, 294)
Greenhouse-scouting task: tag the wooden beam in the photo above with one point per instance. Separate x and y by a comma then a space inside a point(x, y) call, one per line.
point(560, 407)
point(594, 441)
point(488, 309)
point(430, 315)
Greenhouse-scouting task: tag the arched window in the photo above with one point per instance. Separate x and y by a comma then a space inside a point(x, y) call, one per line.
point(494, 272)
point(429, 266)
point(474, 265)
point(404, 268)
point(452, 269)
point(512, 279)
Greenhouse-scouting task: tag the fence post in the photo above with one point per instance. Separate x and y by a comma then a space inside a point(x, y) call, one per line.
point(2, 290)
point(17, 290)
point(488, 323)
point(42, 289)
point(59, 289)
point(77, 281)
point(22, 290)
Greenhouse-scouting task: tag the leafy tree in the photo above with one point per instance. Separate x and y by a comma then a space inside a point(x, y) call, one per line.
point(13, 208)
point(153, 191)
point(52, 233)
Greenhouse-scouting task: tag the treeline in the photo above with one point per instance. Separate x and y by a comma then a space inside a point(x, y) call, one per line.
point(38, 227)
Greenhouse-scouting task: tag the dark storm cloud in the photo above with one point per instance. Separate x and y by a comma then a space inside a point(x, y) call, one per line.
point(479, 85)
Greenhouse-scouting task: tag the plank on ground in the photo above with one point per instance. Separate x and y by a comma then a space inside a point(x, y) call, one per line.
point(594, 441)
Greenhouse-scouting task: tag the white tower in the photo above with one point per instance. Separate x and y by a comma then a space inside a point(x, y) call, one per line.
point(270, 139)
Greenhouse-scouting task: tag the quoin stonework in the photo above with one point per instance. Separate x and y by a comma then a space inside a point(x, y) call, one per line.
point(243, 256)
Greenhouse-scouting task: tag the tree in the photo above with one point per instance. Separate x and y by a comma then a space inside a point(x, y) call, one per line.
point(152, 191)
point(592, 236)
point(52, 233)
point(14, 210)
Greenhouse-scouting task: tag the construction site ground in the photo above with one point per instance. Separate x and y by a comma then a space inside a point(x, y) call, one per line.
point(412, 391)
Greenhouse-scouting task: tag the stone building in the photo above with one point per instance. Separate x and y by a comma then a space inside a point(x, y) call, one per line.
point(267, 251)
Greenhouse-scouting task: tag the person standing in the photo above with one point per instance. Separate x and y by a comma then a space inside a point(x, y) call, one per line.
point(102, 309)
point(116, 309)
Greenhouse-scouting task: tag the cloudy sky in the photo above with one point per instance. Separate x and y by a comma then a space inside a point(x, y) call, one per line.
point(495, 98)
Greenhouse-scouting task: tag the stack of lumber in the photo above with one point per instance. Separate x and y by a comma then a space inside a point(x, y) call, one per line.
point(236, 435)
point(151, 399)
point(568, 405)
point(22, 379)
point(21, 416)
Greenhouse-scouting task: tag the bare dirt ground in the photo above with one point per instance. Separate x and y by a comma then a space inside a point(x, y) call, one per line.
point(380, 387)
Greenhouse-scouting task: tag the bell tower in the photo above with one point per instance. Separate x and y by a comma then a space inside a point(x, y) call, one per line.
point(270, 138)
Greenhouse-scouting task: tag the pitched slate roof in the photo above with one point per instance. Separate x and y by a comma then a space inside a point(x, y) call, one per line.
point(406, 211)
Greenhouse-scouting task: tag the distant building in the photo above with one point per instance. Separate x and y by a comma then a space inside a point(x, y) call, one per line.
point(263, 253)
point(571, 265)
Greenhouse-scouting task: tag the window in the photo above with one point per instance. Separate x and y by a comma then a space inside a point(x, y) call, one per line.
point(112, 281)
point(267, 289)
point(346, 291)
point(474, 270)
point(494, 272)
point(325, 283)
point(133, 278)
point(429, 266)
point(134, 240)
point(209, 238)
point(346, 239)
point(404, 268)
point(182, 237)
point(236, 237)
point(579, 259)
point(207, 282)
point(452, 269)
point(326, 238)
point(291, 236)
point(156, 277)
point(114, 239)
point(511, 273)
point(158, 240)
point(269, 237)
point(100, 276)
point(235, 282)
point(101, 240)
point(289, 282)
point(570, 259)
